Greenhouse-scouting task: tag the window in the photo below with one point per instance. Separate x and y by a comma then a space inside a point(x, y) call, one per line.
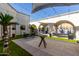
point(13, 27)
point(22, 27)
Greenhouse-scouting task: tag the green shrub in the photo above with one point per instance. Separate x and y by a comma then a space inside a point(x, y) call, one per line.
point(71, 36)
point(33, 29)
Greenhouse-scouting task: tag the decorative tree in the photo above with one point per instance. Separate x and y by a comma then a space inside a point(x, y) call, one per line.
point(5, 21)
point(33, 29)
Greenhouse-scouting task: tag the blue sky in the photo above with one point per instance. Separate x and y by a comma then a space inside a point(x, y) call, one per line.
point(26, 8)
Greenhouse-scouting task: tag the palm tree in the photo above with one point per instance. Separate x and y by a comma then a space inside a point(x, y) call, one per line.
point(5, 21)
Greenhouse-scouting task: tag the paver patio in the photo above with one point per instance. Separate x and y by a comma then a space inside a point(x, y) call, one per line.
point(54, 47)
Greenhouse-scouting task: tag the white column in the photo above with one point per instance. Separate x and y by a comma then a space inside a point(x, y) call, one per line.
point(77, 35)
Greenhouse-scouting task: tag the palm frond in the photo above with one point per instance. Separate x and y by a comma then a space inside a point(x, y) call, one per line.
point(1, 16)
point(5, 18)
point(8, 18)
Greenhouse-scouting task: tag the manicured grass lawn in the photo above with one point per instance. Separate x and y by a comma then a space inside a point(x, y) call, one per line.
point(15, 50)
point(63, 39)
point(1, 47)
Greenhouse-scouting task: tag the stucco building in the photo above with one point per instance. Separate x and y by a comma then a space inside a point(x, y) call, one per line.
point(20, 18)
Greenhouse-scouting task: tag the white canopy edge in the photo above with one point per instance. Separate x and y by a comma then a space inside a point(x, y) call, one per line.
point(73, 17)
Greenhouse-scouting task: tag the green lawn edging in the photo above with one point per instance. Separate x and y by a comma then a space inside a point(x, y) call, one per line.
point(17, 50)
point(62, 39)
point(14, 50)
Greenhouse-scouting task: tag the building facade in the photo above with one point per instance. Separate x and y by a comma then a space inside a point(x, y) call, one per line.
point(21, 19)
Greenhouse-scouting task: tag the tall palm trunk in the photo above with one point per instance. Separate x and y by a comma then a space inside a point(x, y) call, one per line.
point(9, 31)
point(5, 39)
point(1, 32)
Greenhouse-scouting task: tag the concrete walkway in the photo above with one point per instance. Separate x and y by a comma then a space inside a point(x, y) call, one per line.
point(54, 47)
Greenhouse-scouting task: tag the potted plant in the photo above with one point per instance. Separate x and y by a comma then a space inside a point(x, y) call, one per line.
point(71, 36)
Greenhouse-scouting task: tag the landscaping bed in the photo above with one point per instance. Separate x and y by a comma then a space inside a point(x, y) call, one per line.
point(15, 50)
